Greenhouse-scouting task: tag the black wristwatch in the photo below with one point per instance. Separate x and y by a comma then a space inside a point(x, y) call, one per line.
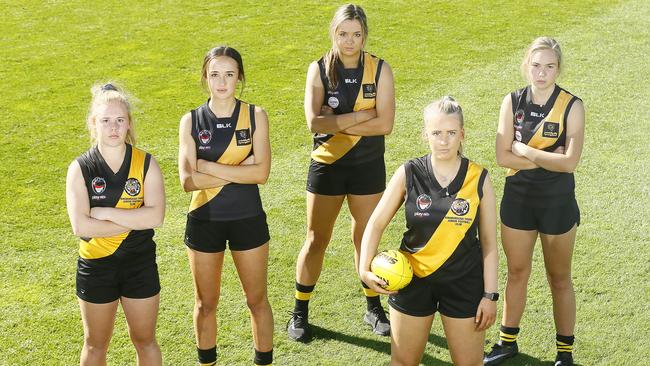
point(494, 296)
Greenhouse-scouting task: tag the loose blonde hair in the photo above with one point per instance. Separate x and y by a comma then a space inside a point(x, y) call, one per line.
point(449, 106)
point(331, 58)
point(104, 93)
point(541, 43)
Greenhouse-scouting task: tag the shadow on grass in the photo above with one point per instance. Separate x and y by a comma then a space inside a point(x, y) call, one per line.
point(375, 345)
point(523, 359)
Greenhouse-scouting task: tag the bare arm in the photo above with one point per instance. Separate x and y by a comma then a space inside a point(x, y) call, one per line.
point(384, 212)
point(191, 178)
point(330, 123)
point(505, 137)
point(255, 172)
point(382, 124)
point(486, 312)
point(150, 215)
point(575, 134)
point(76, 196)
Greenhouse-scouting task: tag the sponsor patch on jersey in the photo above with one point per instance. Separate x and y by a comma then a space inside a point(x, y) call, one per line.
point(333, 102)
point(423, 202)
point(460, 207)
point(519, 117)
point(518, 136)
point(99, 185)
point(205, 136)
point(132, 187)
point(243, 137)
point(369, 91)
point(551, 129)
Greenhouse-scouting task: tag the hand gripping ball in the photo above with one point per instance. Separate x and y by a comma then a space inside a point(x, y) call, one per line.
point(394, 268)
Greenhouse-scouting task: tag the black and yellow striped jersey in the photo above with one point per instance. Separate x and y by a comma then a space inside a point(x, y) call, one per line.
point(543, 128)
point(442, 223)
point(225, 141)
point(356, 90)
point(125, 190)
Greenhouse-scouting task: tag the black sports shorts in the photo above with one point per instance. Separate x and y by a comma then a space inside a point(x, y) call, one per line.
point(334, 180)
point(458, 298)
point(104, 280)
point(211, 236)
point(547, 220)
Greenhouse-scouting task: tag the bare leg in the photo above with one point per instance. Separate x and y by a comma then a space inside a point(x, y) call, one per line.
point(252, 268)
point(141, 315)
point(518, 246)
point(361, 207)
point(98, 321)
point(321, 216)
point(409, 335)
point(558, 253)
point(465, 342)
point(206, 270)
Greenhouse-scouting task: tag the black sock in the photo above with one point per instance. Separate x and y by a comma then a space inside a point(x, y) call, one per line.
point(303, 294)
point(564, 343)
point(372, 298)
point(263, 358)
point(508, 334)
point(207, 357)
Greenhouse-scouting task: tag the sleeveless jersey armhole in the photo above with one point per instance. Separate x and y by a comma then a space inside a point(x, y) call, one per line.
point(323, 76)
point(147, 161)
point(514, 102)
point(251, 113)
point(481, 181)
point(408, 172)
point(567, 110)
point(379, 66)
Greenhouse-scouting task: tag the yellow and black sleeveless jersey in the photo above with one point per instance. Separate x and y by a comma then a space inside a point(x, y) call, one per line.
point(225, 141)
point(442, 223)
point(357, 89)
point(124, 189)
point(543, 128)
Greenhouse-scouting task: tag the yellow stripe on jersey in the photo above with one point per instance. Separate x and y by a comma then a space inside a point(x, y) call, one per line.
point(451, 230)
point(339, 144)
point(539, 141)
point(103, 247)
point(233, 155)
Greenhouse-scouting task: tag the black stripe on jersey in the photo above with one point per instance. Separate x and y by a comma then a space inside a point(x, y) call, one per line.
point(94, 166)
point(379, 66)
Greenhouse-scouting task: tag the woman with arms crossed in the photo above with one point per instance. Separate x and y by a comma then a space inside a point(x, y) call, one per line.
point(540, 138)
point(450, 242)
point(224, 154)
point(349, 106)
point(115, 197)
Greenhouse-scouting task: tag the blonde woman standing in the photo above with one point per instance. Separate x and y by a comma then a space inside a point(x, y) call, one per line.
point(350, 107)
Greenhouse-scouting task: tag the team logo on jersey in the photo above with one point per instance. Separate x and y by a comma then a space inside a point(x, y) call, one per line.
point(518, 136)
point(460, 207)
point(423, 202)
point(205, 136)
point(551, 129)
point(333, 102)
point(99, 185)
point(243, 137)
point(519, 117)
point(132, 187)
point(369, 91)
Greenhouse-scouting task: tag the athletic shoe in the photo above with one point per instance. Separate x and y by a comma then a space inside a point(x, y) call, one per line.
point(564, 359)
point(501, 351)
point(376, 318)
point(298, 327)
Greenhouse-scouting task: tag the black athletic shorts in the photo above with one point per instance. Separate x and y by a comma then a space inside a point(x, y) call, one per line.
point(104, 280)
point(547, 220)
point(335, 180)
point(458, 298)
point(211, 236)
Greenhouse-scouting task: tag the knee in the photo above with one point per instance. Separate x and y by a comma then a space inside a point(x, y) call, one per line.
point(204, 307)
point(94, 346)
point(144, 343)
point(257, 304)
point(518, 273)
point(560, 281)
point(316, 242)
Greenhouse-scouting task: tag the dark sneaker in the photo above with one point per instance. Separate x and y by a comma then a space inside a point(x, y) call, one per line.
point(298, 327)
point(564, 359)
point(377, 319)
point(500, 352)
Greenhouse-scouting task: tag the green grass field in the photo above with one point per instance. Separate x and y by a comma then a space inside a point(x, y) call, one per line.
point(52, 52)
